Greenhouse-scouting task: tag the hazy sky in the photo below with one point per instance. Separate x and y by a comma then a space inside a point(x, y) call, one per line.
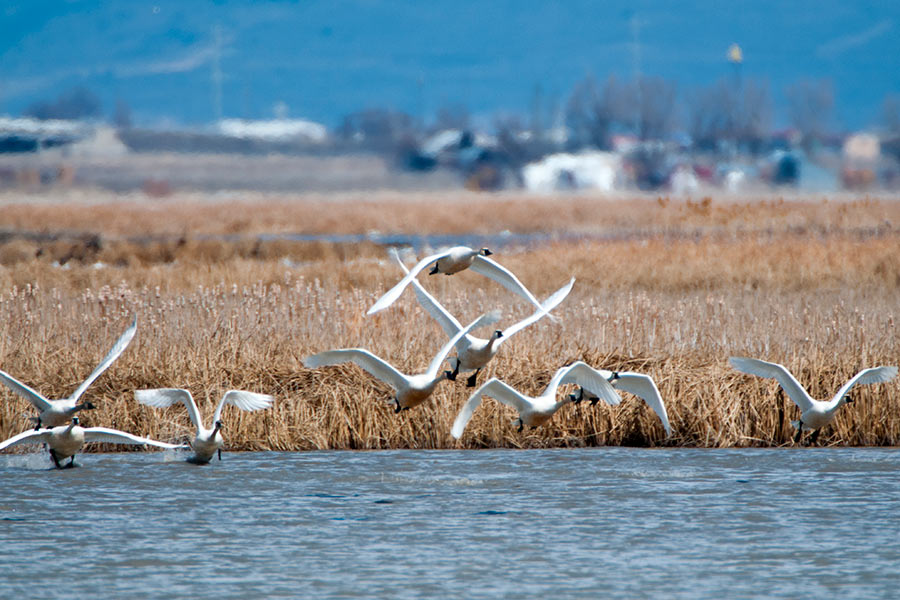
point(325, 59)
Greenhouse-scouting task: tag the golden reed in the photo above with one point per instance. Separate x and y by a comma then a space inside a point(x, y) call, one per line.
point(682, 286)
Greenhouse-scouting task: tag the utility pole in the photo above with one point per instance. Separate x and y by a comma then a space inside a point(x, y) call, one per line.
point(636, 69)
point(217, 73)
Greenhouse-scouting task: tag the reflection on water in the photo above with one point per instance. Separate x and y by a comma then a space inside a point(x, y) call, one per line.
point(583, 523)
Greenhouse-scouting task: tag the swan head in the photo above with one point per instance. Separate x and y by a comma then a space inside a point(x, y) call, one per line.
point(86, 406)
point(219, 425)
point(74, 421)
point(576, 397)
point(497, 334)
point(485, 252)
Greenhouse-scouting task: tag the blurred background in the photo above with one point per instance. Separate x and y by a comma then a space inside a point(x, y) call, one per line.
point(541, 96)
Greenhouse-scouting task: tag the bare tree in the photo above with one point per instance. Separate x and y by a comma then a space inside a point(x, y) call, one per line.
point(377, 128)
point(76, 103)
point(810, 107)
point(890, 113)
point(656, 114)
point(594, 113)
point(725, 113)
point(452, 116)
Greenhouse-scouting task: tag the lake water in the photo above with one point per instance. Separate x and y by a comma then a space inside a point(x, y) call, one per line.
point(585, 523)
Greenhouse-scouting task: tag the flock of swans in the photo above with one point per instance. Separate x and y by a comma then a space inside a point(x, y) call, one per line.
point(57, 424)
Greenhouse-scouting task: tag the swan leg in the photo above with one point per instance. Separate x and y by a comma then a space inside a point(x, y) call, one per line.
point(814, 437)
point(451, 375)
point(220, 454)
point(398, 408)
point(71, 464)
point(799, 432)
point(55, 458)
point(521, 426)
point(37, 426)
point(470, 382)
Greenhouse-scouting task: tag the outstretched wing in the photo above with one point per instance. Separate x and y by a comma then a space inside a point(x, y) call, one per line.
point(447, 321)
point(873, 375)
point(645, 388)
point(372, 364)
point(504, 277)
point(114, 436)
point(544, 311)
point(778, 372)
point(113, 354)
point(164, 397)
point(27, 437)
point(394, 293)
point(481, 321)
point(495, 389)
point(26, 392)
point(248, 401)
point(586, 376)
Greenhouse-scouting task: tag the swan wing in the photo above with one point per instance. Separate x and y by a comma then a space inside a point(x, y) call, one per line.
point(248, 401)
point(549, 304)
point(873, 375)
point(111, 356)
point(586, 376)
point(26, 392)
point(495, 389)
point(481, 321)
point(785, 379)
point(27, 437)
point(645, 388)
point(372, 364)
point(447, 321)
point(164, 397)
point(503, 276)
point(394, 293)
point(114, 436)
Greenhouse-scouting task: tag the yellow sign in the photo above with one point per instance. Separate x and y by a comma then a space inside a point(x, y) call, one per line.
point(735, 54)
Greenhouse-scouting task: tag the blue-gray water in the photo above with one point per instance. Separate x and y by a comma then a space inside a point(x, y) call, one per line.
point(586, 523)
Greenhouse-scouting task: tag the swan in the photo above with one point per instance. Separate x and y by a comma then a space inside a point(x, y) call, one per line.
point(474, 353)
point(67, 440)
point(53, 413)
point(454, 260)
point(207, 441)
point(536, 411)
point(638, 384)
point(815, 414)
point(411, 390)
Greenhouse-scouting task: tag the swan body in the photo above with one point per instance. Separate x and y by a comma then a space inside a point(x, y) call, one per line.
point(638, 384)
point(454, 260)
point(208, 440)
point(66, 441)
point(474, 353)
point(535, 411)
point(815, 414)
point(411, 390)
point(53, 413)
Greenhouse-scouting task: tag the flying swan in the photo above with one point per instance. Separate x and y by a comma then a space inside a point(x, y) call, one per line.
point(67, 440)
point(207, 441)
point(454, 260)
point(815, 414)
point(534, 412)
point(411, 390)
point(52, 413)
point(638, 384)
point(474, 353)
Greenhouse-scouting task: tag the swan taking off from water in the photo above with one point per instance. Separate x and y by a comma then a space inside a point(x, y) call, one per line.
point(534, 412)
point(52, 413)
point(815, 414)
point(453, 261)
point(474, 353)
point(208, 441)
point(638, 384)
point(67, 440)
point(411, 390)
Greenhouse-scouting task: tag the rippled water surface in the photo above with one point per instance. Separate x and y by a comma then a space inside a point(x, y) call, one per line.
point(586, 523)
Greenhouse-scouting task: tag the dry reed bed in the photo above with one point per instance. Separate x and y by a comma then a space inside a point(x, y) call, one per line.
point(825, 307)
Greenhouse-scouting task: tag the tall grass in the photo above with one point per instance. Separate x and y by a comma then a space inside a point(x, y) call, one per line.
point(218, 316)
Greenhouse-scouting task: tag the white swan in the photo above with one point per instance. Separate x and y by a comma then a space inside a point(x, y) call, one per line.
point(454, 260)
point(474, 353)
point(638, 384)
point(815, 414)
point(534, 412)
point(67, 440)
point(207, 441)
point(411, 390)
point(53, 413)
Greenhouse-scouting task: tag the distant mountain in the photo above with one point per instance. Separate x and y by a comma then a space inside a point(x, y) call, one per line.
point(324, 59)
